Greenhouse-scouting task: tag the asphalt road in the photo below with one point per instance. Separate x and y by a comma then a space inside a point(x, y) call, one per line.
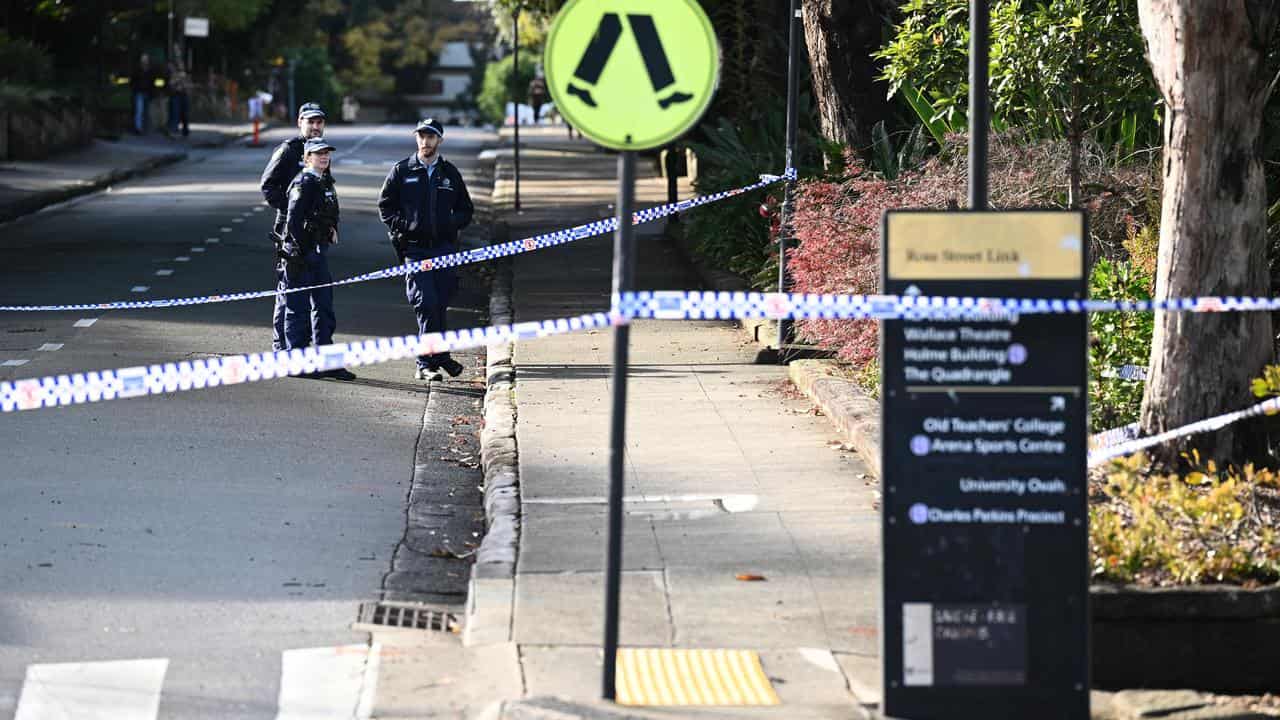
point(200, 536)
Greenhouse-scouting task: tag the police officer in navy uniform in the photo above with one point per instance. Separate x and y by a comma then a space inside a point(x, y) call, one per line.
point(424, 204)
point(284, 165)
point(311, 226)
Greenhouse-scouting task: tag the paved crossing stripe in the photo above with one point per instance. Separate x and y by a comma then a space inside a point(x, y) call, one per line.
point(119, 690)
point(326, 683)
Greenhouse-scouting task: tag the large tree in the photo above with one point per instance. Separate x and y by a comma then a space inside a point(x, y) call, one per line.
point(1208, 59)
point(841, 36)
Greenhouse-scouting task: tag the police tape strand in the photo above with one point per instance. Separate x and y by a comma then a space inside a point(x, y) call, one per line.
point(159, 379)
point(466, 257)
point(1128, 447)
point(686, 305)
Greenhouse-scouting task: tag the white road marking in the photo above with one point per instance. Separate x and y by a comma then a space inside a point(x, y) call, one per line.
point(122, 690)
point(140, 288)
point(237, 220)
point(49, 347)
point(197, 249)
point(182, 258)
point(225, 229)
point(14, 363)
point(212, 241)
point(326, 683)
point(164, 272)
point(86, 322)
point(258, 208)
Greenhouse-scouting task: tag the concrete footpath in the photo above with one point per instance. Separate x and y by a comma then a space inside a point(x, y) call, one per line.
point(27, 186)
point(745, 528)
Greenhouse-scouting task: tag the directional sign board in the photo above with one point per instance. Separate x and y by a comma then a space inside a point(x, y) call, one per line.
point(195, 27)
point(984, 515)
point(632, 74)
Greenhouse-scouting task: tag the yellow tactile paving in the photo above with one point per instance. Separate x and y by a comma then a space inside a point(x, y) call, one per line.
point(666, 676)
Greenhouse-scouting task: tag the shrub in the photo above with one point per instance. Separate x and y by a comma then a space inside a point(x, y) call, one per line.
point(1117, 339)
point(1208, 526)
point(496, 90)
point(837, 220)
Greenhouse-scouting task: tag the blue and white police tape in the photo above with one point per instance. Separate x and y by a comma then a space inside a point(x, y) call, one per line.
point(1126, 372)
point(1129, 447)
point(697, 305)
point(466, 257)
point(61, 390)
point(1114, 436)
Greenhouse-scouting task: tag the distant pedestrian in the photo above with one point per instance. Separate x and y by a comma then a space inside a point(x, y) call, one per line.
point(142, 85)
point(424, 203)
point(311, 226)
point(285, 164)
point(179, 98)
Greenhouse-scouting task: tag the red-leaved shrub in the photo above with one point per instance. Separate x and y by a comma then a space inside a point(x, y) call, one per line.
point(837, 221)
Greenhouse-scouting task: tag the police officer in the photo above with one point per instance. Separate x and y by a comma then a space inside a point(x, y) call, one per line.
point(424, 204)
point(311, 226)
point(284, 165)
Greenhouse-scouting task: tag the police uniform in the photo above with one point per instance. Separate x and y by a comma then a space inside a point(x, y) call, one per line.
point(284, 166)
point(423, 208)
point(310, 221)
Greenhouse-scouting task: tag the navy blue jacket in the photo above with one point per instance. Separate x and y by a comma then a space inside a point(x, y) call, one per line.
point(440, 204)
point(312, 214)
point(284, 166)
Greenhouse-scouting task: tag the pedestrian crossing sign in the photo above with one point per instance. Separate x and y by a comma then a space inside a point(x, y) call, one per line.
point(632, 74)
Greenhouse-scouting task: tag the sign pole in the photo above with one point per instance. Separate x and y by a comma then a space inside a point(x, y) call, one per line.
point(623, 279)
point(515, 94)
point(979, 101)
point(788, 196)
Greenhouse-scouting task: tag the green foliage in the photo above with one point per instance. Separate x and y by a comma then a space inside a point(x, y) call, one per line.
point(731, 233)
point(314, 78)
point(1117, 339)
point(22, 62)
point(890, 159)
point(1055, 64)
point(223, 15)
point(496, 90)
point(1208, 526)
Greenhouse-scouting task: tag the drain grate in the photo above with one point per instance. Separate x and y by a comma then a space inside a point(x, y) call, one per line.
point(405, 616)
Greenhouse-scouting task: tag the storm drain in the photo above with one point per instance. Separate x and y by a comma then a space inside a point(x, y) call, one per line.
point(405, 616)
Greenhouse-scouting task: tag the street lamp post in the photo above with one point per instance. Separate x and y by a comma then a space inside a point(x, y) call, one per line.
point(515, 94)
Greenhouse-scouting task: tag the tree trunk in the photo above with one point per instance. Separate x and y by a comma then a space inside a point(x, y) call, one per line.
point(1208, 59)
point(841, 35)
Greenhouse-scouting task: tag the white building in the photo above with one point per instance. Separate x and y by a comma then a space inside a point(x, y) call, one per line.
point(449, 80)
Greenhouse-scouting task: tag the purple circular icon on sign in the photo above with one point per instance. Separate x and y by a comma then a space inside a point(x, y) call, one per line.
point(919, 445)
point(919, 513)
point(1017, 353)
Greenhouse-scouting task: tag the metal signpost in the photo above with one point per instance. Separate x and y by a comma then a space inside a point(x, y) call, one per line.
point(630, 75)
point(984, 518)
point(515, 96)
point(794, 43)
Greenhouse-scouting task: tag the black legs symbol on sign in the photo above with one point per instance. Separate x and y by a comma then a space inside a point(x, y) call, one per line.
point(601, 48)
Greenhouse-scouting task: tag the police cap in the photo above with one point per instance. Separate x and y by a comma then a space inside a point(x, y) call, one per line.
point(310, 110)
point(430, 125)
point(317, 145)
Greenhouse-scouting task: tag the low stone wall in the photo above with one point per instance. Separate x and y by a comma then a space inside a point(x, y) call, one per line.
point(35, 134)
point(1222, 639)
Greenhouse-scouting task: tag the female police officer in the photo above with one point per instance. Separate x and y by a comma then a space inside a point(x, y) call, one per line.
point(311, 226)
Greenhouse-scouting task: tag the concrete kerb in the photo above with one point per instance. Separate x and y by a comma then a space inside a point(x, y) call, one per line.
point(490, 597)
